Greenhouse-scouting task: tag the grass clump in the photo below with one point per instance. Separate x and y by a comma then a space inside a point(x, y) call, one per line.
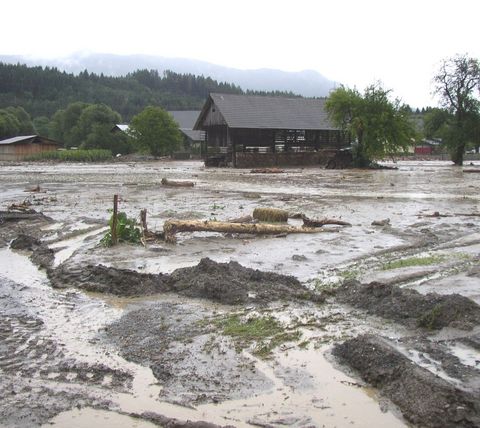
point(94, 155)
point(413, 261)
point(265, 332)
point(431, 319)
point(128, 230)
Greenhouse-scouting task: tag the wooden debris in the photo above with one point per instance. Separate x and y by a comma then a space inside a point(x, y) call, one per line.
point(173, 183)
point(437, 214)
point(172, 227)
point(243, 219)
point(35, 189)
point(473, 171)
point(307, 222)
point(23, 207)
point(384, 222)
point(267, 171)
point(271, 215)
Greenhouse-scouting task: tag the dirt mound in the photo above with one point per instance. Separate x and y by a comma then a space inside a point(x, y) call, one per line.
point(232, 283)
point(228, 283)
point(41, 255)
point(102, 279)
point(409, 307)
point(424, 399)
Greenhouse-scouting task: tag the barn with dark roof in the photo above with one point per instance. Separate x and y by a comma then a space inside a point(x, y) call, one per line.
point(245, 131)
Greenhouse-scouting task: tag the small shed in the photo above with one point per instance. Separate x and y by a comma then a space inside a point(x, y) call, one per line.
point(18, 148)
point(246, 131)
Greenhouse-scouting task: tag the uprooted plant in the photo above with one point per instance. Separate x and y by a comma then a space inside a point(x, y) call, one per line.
point(127, 230)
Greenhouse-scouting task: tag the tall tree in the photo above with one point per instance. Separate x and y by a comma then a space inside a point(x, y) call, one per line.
point(155, 130)
point(457, 82)
point(379, 127)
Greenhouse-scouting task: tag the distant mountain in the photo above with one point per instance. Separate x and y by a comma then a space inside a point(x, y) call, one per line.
point(307, 83)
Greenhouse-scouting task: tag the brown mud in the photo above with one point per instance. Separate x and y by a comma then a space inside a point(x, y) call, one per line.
point(227, 283)
point(425, 399)
point(430, 311)
point(239, 330)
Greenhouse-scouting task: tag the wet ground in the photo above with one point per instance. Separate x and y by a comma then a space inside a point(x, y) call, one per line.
point(209, 343)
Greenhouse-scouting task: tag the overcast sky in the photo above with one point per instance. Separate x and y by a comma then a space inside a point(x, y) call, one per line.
point(355, 42)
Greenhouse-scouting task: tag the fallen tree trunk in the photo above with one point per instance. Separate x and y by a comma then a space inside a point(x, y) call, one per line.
point(171, 227)
point(172, 183)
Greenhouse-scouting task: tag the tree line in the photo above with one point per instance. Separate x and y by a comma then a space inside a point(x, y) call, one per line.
point(81, 110)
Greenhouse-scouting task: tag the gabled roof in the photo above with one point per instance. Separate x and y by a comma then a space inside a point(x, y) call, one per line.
point(186, 120)
point(252, 111)
point(25, 139)
point(122, 127)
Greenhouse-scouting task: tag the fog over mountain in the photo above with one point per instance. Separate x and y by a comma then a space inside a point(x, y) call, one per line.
point(307, 83)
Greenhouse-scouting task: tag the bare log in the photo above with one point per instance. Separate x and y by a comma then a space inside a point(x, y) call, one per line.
point(171, 227)
point(307, 222)
point(173, 183)
point(267, 171)
point(472, 171)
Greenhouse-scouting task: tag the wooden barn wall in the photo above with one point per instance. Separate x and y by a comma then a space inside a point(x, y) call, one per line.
point(15, 152)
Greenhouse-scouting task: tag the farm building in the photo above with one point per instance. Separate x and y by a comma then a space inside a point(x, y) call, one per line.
point(246, 131)
point(18, 148)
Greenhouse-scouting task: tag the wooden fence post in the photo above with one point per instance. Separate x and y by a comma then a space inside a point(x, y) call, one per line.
point(114, 220)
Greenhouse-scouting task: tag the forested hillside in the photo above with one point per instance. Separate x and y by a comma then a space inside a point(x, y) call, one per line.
point(43, 91)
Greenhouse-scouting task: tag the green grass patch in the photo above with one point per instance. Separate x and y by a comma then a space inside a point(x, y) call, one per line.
point(94, 155)
point(265, 332)
point(413, 261)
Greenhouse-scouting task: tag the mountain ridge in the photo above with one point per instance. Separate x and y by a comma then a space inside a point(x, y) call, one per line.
point(307, 83)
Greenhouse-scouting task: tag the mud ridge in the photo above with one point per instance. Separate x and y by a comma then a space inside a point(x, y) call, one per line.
point(424, 399)
point(409, 307)
point(41, 255)
point(228, 283)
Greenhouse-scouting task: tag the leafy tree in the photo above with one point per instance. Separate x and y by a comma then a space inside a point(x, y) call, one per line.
point(155, 130)
point(457, 82)
point(42, 126)
point(64, 121)
point(25, 121)
point(91, 125)
point(380, 127)
point(9, 124)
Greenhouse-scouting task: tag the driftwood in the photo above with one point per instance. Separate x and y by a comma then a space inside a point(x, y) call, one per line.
point(35, 189)
point(436, 214)
point(23, 207)
point(307, 222)
point(243, 219)
point(267, 171)
point(473, 171)
point(171, 227)
point(173, 183)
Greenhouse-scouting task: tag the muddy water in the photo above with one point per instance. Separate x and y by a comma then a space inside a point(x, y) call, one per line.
point(307, 389)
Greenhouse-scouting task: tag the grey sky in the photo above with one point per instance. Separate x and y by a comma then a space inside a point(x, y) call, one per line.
point(351, 41)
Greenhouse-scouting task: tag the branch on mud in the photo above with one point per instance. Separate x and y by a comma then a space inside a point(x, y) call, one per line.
point(307, 222)
point(172, 183)
point(437, 214)
point(172, 227)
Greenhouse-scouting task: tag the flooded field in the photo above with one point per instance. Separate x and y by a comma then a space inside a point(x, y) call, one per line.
point(340, 328)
